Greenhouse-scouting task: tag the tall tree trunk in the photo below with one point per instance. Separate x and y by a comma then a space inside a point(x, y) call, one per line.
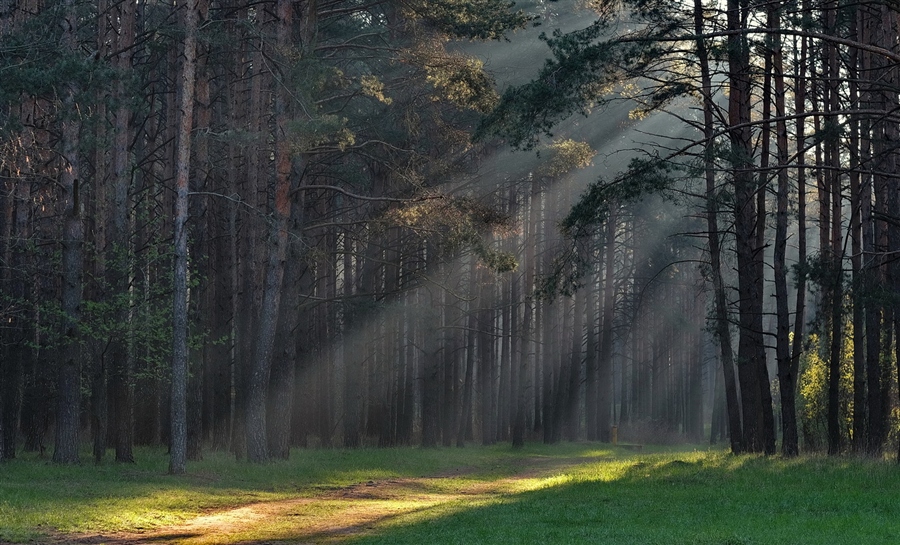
point(120, 252)
point(591, 353)
point(786, 379)
point(605, 371)
point(833, 183)
point(871, 274)
point(572, 424)
point(261, 365)
point(178, 439)
point(486, 367)
point(68, 406)
point(18, 331)
point(471, 336)
point(799, 307)
point(281, 386)
point(855, 231)
point(721, 321)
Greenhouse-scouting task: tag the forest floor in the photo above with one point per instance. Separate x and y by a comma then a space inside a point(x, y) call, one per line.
point(546, 494)
point(335, 516)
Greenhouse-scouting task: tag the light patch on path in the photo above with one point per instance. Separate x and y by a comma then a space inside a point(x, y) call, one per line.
point(335, 515)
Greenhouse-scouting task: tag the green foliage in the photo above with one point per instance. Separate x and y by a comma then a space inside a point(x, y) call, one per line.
point(643, 177)
point(464, 82)
point(36, 63)
point(580, 76)
point(471, 19)
point(455, 223)
point(812, 391)
point(566, 156)
point(323, 130)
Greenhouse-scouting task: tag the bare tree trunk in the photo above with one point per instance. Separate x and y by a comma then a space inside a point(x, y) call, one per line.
point(786, 378)
point(721, 321)
point(858, 432)
point(592, 353)
point(799, 316)
point(120, 253)
point(261, 365)
point(468, 383)
point(486, 357)
point(871, 152)
point(178, 439)
point(68, 406)
point(835, 291)
point(605, 371)
point(572, 424)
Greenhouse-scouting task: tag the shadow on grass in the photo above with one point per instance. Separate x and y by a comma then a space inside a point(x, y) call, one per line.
point(699, 500)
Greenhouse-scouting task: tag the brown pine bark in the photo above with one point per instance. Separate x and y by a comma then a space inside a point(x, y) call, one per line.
point(261, 364)
point(178, 438)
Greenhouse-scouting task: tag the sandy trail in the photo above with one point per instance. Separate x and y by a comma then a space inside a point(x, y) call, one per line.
point(333, 516)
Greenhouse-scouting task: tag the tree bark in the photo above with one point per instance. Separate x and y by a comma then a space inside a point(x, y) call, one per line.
point(68, 406)
point(786, 378)
point(261, 365)
point(721, 321)
point(605, 371)
point(178, 439)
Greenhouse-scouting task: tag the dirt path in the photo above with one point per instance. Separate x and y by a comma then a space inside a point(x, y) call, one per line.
point(333, 516)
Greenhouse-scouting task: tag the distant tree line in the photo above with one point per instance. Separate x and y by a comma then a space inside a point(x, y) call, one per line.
point(256, 226)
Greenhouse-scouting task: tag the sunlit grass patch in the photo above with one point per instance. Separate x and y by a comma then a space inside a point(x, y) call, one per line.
point(37, 498)
point(693, 497)
point(571, 493)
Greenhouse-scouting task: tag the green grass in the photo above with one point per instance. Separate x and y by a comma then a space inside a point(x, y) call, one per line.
point(696, 498)
point(611, 496)
point(38, 497)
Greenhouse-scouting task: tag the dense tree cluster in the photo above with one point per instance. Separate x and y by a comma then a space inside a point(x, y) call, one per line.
point(261, 225)
point(728, 71)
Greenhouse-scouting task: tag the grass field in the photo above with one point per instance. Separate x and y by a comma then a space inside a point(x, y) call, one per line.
point(570, 493)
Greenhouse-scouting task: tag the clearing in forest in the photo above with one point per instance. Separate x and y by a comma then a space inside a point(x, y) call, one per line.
point(574, 493)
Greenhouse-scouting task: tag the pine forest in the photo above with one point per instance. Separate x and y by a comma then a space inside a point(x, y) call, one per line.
point(261, 226)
